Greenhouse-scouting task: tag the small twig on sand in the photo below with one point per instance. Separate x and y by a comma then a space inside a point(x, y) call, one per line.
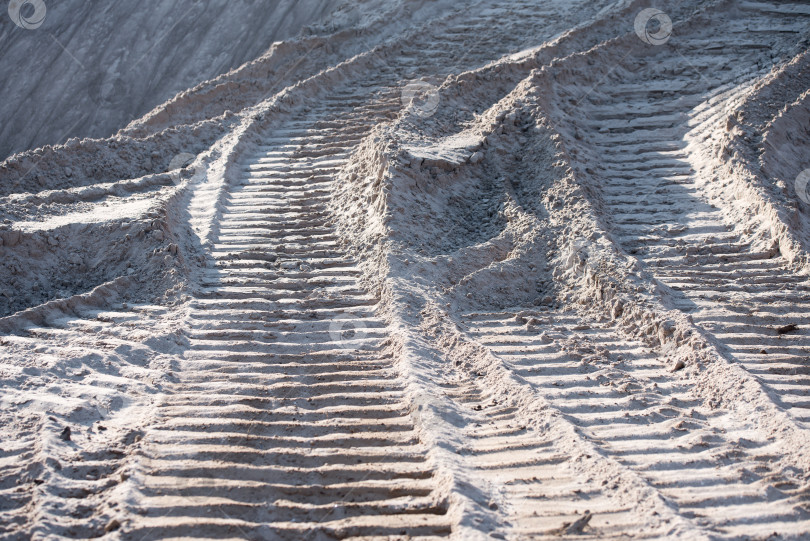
point(790, 327)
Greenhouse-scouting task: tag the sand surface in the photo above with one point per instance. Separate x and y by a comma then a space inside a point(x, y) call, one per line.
point(483, 270)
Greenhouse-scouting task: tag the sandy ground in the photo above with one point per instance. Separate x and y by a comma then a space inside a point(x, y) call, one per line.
point(492, 270)
point(91, 68)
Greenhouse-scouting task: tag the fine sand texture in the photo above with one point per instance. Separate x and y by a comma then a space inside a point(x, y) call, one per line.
point(497, 269)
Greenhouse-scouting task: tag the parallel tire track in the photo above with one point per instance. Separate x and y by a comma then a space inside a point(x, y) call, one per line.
point(532, 478)
point(288, 419)
point(638, 124)
point(279, 426)
point(714, 469)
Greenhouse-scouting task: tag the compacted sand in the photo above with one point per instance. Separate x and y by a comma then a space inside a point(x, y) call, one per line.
point(491, 270)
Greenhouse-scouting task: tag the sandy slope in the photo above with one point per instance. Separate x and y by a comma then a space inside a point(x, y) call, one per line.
point(97, 67)
point(555, 289)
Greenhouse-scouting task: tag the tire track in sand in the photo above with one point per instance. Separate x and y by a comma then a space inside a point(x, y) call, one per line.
point(288, 420)
point(733, 284)
point(713, 469)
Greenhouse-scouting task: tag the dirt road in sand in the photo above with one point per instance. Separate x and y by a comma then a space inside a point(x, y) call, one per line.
point(506, 270)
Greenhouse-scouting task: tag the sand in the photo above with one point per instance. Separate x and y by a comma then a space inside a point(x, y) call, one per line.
point(494, 270)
